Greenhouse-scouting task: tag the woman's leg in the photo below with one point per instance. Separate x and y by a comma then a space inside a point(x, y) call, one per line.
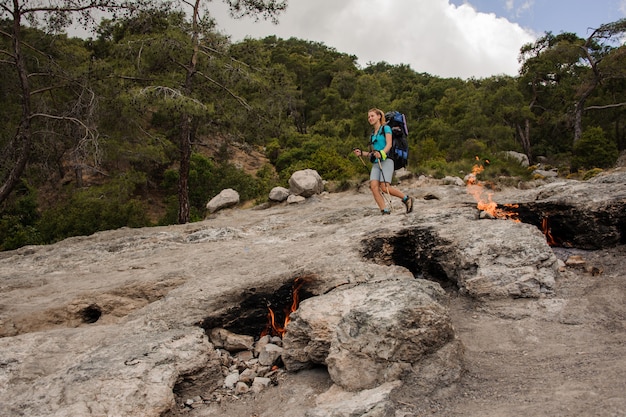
point(389, 189)
point(378, 197)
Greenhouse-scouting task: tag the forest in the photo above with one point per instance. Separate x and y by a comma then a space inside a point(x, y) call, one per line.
point(142, 123)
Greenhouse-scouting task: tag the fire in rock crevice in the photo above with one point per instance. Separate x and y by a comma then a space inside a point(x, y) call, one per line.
point(484, 197)
point(275, 326)
point(547, 231)
point(563, 224)
point(253, 312)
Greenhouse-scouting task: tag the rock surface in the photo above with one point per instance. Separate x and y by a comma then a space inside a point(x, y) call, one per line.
point(116, 323)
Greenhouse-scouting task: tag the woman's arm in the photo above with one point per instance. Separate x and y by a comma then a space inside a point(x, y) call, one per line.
point(388, 142)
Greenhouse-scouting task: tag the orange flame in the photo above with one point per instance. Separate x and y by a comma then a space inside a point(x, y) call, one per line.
point(484, 199)
point(545, 227)
point(275, 329)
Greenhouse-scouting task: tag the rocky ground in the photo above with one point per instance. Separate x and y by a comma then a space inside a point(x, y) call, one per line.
point(109, 325)
point(560, 356)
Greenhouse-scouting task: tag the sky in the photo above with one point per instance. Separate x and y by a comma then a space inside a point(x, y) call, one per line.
point(445, 38)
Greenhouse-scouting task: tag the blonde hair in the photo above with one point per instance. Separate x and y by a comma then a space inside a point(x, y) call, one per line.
point(379, 112)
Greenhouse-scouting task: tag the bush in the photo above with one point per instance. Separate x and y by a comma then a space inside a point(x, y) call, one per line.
point(90, 210)
point(18, 219)
point(591, 173)
point(206, 180)
point(593, 150)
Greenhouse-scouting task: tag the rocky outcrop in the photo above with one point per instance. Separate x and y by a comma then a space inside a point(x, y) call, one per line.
point(119, 323)
point(583, 214)
point(374, 333)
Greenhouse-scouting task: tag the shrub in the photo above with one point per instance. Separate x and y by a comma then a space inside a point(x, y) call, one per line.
point(206, 180)
point(593, 150)
point(18, 219)
point(90, 210)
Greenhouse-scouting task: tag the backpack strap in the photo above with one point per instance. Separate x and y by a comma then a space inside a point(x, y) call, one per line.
point(376, 133)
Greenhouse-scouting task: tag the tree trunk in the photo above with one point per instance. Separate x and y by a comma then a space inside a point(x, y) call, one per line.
point(579, 108)
point(524, 135)
point(22, 141)
point(183, 171)
point(186, 132)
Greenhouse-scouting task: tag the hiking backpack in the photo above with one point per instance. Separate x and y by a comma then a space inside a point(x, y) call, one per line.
point(399, 132)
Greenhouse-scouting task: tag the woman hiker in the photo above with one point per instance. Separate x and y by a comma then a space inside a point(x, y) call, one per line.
point(382, 167)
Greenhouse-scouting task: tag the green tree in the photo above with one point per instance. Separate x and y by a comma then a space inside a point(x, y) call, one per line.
point(593, 150)
point(560, 74)
point(192, 74)
point(36, 73)
point(192, 71)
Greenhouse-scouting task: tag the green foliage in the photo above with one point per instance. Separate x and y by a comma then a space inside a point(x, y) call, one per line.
point(304, 102)
point(86, 211)
point(426, 150)
point(207, 179)
point(18, 220)
point(591, 173)
point(593, 150)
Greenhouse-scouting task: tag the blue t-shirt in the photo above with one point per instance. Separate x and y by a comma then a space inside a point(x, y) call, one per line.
point(378, 138)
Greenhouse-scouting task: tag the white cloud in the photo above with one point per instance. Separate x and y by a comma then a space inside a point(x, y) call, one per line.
point(431, 36)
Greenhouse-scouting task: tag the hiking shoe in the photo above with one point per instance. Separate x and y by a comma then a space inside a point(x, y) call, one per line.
point(385, 211)
point(408, 202)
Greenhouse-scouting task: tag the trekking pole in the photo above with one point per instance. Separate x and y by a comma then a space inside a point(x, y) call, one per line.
point(389, 201)
point(363, 162)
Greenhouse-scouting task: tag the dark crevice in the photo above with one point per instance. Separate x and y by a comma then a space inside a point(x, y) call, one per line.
point(91, 314)
point(572, 227)
point(250, 315)
point(417, 249)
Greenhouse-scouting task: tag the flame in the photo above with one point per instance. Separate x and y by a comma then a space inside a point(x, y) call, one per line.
point(484, 198)
point(275, 329)
point(545, 227)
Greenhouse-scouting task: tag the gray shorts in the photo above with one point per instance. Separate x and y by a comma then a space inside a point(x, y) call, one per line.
point(387, 172)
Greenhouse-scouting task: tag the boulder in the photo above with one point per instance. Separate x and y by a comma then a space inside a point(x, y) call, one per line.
point(449, 180)
point(306, 183)
point(226, 198)
point(521, 158)
point(279, 194)
point(372, 334)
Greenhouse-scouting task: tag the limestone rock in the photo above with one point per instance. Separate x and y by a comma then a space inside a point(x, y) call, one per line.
point(295, 199)
point(337, 402)
point(279, 194)
point(521, 158)
point(306, 183)
point(230, 341)
point(118, 323)
point(226, 198)
point(374, 333)
point(269, 354)
point(448, 180)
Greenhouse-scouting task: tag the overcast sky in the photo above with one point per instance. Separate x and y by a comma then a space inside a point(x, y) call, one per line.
point(446, 38)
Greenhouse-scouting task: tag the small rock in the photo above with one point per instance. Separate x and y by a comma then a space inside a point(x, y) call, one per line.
point(269, 354)
point(231, 341)
point(260, 383)
point(576, 261)
point(245, 355)
point(241, 388)
point(247, 376)
point(279, 194)
point(294, 199)
point(231, 380)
